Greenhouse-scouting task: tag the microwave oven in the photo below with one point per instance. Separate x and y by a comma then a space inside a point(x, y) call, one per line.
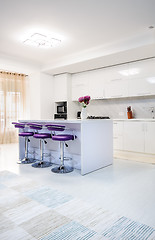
point(61, 109)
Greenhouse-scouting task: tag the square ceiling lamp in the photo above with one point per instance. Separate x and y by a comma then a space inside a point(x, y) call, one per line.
point(42, 41)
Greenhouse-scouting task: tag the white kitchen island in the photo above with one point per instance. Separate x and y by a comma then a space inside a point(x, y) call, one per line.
point(90, 151)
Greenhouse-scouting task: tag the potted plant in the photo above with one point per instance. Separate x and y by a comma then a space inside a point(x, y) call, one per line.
point(84, 102)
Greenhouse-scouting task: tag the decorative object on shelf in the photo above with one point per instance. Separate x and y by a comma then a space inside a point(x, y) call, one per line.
point(84, 101)
point(129, 112)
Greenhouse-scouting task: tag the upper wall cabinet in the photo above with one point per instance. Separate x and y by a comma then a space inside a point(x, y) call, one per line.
point(142, 78)
point(97, 84)
point(80, 85)
point(126, 80)
point(60, 88)
point(117, 83)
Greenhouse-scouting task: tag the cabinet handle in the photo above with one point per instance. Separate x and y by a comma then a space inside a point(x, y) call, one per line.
point(146, 93)
point(117, 95)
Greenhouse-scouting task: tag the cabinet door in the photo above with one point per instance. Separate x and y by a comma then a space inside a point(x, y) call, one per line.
point(118, 135)
point(116, 88)
point(142, 83)
point(97, 84)
point(150, 138)
point(80, 85)
point(134, 136)
point(140, 87)
point(60, 88)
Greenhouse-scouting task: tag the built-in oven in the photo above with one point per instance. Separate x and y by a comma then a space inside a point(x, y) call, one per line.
point(60, 116)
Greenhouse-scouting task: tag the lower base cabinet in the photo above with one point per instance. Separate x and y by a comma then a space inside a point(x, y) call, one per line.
point(134, 136)
point(150, 137)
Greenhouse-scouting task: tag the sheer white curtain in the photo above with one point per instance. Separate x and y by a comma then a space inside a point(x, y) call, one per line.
point(12, 104)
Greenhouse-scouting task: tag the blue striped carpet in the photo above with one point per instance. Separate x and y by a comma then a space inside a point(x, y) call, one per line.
point(29, 211)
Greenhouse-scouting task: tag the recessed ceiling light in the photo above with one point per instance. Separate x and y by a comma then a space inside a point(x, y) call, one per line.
point(39, 40)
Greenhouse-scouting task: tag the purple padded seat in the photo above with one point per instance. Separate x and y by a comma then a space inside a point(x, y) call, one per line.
point(53, 127)
point(26, 134)
point(35, 126)
point(63, 137)
point(42, 135)
point(19, 126)
point(19, 123)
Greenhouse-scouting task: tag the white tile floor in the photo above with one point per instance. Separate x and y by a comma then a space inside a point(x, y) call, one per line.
point(126, 188)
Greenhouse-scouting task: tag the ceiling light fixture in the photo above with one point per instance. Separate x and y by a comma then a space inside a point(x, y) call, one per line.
point(39, 40)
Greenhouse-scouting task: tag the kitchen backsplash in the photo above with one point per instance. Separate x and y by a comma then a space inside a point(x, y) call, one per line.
point(117, 108)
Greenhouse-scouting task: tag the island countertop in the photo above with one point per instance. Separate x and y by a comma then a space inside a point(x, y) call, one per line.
point(90, 151)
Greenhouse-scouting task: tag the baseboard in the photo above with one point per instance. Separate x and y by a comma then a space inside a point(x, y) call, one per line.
point(134, 156)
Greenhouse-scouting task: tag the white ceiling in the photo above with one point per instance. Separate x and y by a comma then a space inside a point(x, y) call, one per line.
point(92, 31)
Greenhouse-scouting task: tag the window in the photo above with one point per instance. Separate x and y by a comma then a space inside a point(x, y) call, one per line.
point(12, 104)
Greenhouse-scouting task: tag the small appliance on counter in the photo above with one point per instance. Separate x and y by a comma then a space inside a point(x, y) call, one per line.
point(129, 112)
point(78, 115)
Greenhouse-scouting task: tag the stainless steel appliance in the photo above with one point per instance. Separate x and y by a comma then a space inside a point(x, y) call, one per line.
point(61, 109)
point(60, 116)
point(78, 115)
point(98, 117)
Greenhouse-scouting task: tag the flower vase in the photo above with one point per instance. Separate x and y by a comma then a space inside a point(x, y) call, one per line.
point(84, 114)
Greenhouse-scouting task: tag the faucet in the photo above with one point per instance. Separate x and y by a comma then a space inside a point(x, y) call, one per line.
point(152, 112)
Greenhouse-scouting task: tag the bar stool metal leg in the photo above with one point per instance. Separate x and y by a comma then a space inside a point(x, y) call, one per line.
point(26, 159)
point(62, 168)
point(42, 163)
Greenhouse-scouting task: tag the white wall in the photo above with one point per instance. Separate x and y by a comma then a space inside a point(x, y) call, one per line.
point(39, 87)
point(41, 94)
point(46, 96)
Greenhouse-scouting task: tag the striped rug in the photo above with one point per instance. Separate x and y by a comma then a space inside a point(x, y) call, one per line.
point(29, 211)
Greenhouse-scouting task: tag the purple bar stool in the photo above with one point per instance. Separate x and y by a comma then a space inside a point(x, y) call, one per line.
point(62, 139)
point(42, 136)
point(26, 135)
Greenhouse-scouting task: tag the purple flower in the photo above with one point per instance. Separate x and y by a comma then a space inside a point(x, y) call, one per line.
point(87, 98)
point(81, 99)
point(84, 100)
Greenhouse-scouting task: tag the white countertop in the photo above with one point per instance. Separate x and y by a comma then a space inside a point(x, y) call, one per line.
point(136, 119)
point(65, 121)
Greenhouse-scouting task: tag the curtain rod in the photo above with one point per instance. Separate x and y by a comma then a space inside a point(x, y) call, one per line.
point(14, 73)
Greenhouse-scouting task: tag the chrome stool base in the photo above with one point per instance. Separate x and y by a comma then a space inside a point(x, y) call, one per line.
point(62, 169)
point(43, 164)
point(26, 161)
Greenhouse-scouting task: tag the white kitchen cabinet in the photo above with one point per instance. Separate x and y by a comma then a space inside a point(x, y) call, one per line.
point(141, 87)
point(116, 88)
point(117, 84)
point(80, 85)
point(142, 83)
point(118, 135)
point(150, 137)
point(60, 88)
point(134, 136)
point(97, 84)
